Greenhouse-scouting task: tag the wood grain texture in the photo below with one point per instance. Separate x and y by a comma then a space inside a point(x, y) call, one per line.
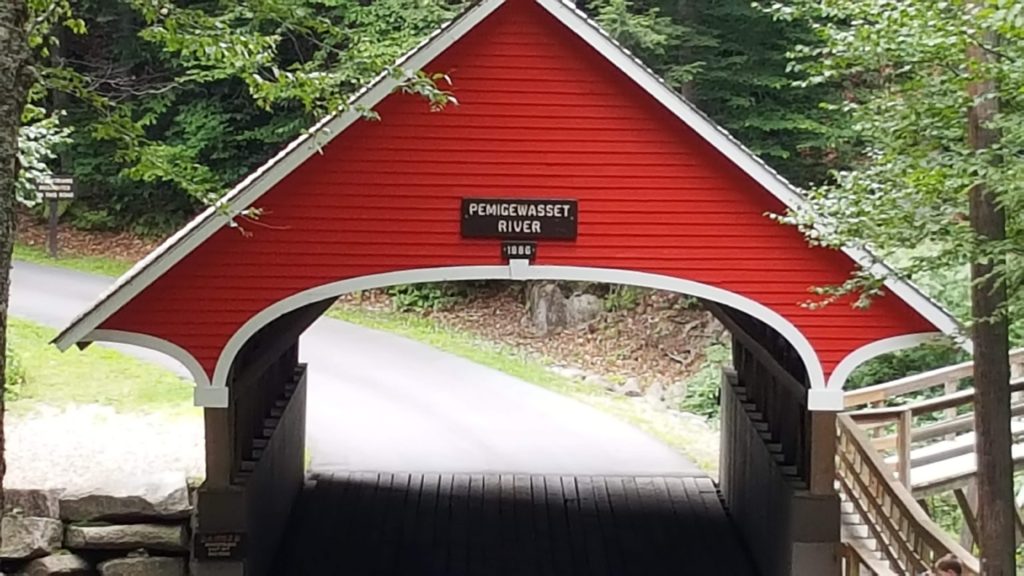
point(672, 525)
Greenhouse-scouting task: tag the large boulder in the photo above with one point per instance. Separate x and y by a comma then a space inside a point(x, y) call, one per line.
point(583, 308)
point(163, 537)
point(143, 566)
point(157, 497)
point(32, 503)
point(25, 538)
point(65, 564)
point(546, 306)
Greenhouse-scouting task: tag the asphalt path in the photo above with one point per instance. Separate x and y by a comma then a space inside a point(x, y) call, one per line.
point(380, 402)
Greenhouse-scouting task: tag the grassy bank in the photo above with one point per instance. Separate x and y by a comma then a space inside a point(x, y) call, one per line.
point(96, 375)
point(100, 265)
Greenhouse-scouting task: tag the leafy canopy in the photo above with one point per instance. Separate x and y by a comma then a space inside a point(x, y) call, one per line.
point(905, 73)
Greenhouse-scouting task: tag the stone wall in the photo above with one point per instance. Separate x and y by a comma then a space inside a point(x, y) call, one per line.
point(130, 528)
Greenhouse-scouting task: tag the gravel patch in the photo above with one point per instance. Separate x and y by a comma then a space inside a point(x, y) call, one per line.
point(81, 446)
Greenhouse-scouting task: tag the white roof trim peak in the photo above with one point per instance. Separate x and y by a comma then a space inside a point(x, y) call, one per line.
point(253, 187)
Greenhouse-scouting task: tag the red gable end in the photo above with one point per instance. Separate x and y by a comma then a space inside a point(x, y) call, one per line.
point(541, 114)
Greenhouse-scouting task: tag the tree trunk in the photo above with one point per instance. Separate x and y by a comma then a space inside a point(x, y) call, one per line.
point(14, 58)
point(990, 333)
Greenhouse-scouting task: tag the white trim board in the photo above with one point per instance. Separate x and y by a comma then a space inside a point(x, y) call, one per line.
point(588, 30)
point(252, 188)
point(522, 270)
point(854, 359)
point(249, 190)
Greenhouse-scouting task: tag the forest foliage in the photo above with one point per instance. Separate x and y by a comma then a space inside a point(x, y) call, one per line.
point(158, 107)
point(170, 104)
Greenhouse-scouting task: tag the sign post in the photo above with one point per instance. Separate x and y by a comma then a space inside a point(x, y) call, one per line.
point(54, 189)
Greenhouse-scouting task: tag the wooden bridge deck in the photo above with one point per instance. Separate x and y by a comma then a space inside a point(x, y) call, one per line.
point(495, 525)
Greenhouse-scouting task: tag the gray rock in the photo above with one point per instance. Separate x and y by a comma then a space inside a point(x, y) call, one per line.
point(546, 306)
point(26, 538)
point(568, 372)
point(142, 566)
point(676, 392)
point(163, 537)
point(655, 393)
point(631, 388)
point(583, 308)
point(599, 382)
point(66, 564)
point(33, 503)
point(159, 497)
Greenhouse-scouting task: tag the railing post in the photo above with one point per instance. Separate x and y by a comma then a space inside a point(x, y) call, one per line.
point(949, 388)
point(219, 447)
point(822, 467)
point(903, 443)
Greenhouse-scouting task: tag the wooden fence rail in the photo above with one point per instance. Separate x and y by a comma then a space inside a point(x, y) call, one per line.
point(947, 377)
point(907, 537)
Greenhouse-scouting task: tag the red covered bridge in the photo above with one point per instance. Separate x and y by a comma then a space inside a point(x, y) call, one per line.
point(570, 155)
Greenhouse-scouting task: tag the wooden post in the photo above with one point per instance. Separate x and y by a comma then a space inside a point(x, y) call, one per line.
point(219, 447)
point(903, 441)
point(822, 466)
point(51, 234)
point(949, 388)
point(966, 501)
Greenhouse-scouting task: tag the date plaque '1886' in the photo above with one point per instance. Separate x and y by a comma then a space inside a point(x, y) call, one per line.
point(519, 219)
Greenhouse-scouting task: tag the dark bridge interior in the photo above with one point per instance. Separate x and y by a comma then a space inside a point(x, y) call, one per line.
point(495, 525)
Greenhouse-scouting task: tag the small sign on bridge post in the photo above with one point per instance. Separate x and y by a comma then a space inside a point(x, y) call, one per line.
point(53, 189)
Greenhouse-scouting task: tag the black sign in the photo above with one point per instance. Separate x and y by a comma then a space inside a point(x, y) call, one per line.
point(56, 188)
point(518, 219)
point(220, 546)
point(519, 250)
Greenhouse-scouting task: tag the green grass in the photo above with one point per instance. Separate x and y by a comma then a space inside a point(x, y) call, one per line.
point(513, 362)
point(101, 265)
point(96, 375)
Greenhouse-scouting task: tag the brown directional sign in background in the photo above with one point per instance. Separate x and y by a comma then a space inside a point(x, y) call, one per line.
point(56, 188)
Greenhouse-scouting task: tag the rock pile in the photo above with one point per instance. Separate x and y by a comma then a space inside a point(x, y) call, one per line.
point(128, 529)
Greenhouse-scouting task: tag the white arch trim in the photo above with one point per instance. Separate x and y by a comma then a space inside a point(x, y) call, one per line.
point(866, 352)
point(522, 270)
point(204, 394)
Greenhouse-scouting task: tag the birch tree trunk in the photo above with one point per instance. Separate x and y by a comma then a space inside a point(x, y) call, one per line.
point(14, 82)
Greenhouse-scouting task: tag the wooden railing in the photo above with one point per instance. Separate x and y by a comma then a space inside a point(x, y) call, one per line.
point(894, 426)
point(906, 536)
point(948, 377)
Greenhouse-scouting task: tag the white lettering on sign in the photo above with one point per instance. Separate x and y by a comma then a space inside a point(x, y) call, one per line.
point(536, 218)
point(56, 187)
point(507, 209)
point(519, 226)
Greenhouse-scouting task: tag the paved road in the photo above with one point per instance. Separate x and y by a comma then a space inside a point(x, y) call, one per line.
point(384, 403)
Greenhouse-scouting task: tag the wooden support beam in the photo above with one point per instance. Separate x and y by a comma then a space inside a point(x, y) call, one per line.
point(762, 355)
point(968, 508)
point(822, 473)
point(1019, 521)
point(219, 447)
point(286, 331)
point(903, 443)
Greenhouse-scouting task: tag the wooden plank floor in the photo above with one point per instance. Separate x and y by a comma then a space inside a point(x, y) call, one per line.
point(505, 525)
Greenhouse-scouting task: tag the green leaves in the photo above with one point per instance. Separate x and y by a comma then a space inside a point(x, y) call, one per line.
point(40, 134)
point(906, 74)
point(313, 52)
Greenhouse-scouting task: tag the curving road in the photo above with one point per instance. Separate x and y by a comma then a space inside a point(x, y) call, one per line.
point(380, 402)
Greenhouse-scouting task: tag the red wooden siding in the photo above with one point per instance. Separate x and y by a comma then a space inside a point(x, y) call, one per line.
point(541, 115)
